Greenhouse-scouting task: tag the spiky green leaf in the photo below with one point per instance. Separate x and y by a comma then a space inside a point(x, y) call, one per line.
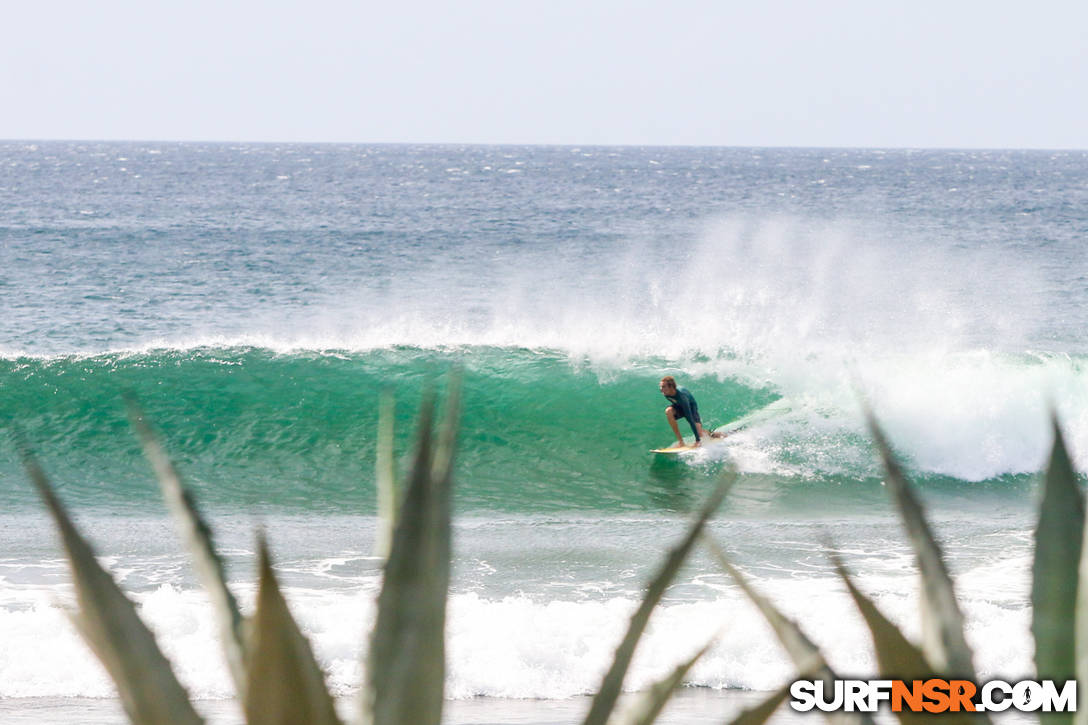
point(1058, 542)
point(1081, 629)
point(284, 683)
point(942, 621)
point(107, 620)
point(762, 712)
point(442, 467)
point(385, 477)
point(406, 661)
point(649, 704)
point(806, 656)
point(897, 657)
point(605, 700)
point(197, 535)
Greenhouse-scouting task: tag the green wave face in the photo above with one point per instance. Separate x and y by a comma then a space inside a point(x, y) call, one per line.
point(249, 427)
point(252, 429)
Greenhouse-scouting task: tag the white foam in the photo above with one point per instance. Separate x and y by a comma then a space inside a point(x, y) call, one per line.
point(525, 647)
point(972, 415)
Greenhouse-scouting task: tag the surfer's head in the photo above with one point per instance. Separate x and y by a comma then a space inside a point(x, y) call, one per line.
point(668, 385)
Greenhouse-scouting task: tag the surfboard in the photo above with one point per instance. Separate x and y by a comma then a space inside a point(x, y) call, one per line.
point(687, 447)
point(674, 449)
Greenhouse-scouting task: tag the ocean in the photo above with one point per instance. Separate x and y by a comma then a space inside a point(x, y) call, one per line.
point(258, 299)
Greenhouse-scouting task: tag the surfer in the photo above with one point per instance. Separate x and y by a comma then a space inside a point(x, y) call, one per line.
point(683, 406)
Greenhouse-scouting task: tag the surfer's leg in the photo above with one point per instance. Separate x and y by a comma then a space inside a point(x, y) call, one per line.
point(712, 434)
point(670, 414)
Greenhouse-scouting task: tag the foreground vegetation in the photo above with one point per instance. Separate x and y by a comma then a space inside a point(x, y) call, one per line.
point(278, 680)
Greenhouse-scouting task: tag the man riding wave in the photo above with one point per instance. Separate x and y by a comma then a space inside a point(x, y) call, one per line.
point(683, 405)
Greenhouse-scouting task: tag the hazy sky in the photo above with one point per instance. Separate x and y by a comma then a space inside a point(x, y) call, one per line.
point(819, 73)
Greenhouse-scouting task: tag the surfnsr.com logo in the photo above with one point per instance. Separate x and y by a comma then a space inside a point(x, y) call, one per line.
point(934, 695)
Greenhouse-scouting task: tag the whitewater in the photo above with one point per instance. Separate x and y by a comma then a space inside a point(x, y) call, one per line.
point(257, 299)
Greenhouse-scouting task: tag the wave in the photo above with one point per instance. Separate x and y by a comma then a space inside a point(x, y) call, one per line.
point(541, 431)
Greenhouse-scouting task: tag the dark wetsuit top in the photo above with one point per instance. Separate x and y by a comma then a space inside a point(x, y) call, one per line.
point(684, 406)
